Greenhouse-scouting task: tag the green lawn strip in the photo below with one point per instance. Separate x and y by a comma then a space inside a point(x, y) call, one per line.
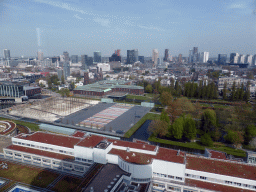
point(28, 175)
point(134, 128)
point(67, 184)
point(127, 102)
point(31, 126)
point(228, 150)
point(139, 97)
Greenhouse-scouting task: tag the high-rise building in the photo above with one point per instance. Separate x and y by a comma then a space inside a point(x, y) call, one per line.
point(141, 59)
point(7, 54)
point(74, 58)
point(132, 56)
point(180, 58)
point(166, 55)
point(97, 56)
point(195, 54)
point(155, 56)
point(60, 73)
point(222, 59)
point(234, 58)
point(66, 56)
point(84, 61)
point(204, 57)
point(40, 56)
point(254, 60)
point(66, 69)
point(248, 59)
point(241, 59)
point(90, 61)
point(115, 56)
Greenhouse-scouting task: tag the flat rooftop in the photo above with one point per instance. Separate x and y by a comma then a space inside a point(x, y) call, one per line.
point(221, 167)
point(52, 139)
point(106, 178)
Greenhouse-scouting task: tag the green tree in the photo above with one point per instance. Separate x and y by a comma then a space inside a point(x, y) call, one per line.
point(189, 127)
point(62, 80)
point(64, 92)
point(247, 92)
point(250, 132)
point(158, 127)
point(233, 92)
point(166, 98)
point(177, 88)
point(149, 88)
point(207, 140)
point(208, 120)
point(234, 137)
point(164, 117)
point(177, 128)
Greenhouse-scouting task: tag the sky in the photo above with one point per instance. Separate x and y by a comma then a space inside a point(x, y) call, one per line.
point(84, 26)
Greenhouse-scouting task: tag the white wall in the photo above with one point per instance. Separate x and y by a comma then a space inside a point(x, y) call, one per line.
point(168, 168)
point(135, 150)
point(83, 152)
point(99, 156)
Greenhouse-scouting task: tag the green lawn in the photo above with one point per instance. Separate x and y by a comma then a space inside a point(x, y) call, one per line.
point(32, 126)
point(134, 128)
point(192, 145)
point(67, 184)
point(28, 175)
point(139, 97)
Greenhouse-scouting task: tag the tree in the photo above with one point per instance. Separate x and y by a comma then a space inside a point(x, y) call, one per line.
point(177, 88)
point(166, 98)
point(149, 88)
point(64, 92)
point(72, 86)
point(158, 127)
point(250, 132)
point(207, 140)
point(234, 137)
point(62, 80)
point(189, 128)
point(247, 92)
point(164, 117)
point(177, 128)
point(233, 92)
point(208, 120)
point(225, 91)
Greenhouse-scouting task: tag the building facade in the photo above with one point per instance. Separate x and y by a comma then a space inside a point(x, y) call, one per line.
point(97, 56)
point(165, 169)
point(132, 56)
point(222, 59)
point(7, 54)
point(155, 56)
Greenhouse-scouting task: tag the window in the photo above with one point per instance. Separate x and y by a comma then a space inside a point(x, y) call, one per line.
point(23, 143)
point(14, 142)
point(78, 159)
point(201, 177)
point(178, 178)
point(28, 145)
point(174, 188)
point(170, 176)
point(60, 151)
point(188, 175)
point(41, 147)
point(19, 143)
point(32, 145)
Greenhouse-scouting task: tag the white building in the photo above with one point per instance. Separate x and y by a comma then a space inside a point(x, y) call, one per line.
point(104, 67)
point(204, 57)
point(249, 59)
point(165, 169)
point(155, 56)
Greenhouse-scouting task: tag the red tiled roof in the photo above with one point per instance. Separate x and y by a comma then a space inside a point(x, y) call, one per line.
point(79, 134)
point(133, 145)
point(40, 152)
point(221, 167)
point(139, 158)
point(52, 139)
point(217, 154)
point(212, 186)
point(90, 141)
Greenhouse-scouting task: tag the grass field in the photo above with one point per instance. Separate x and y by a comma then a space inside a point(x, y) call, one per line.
point(139, 97)
point(133, 129)
point(67, 184)
point(192, 145)
point(32, 126)
point(28, 175)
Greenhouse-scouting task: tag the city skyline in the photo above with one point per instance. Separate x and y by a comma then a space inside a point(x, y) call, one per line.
point(85, 27)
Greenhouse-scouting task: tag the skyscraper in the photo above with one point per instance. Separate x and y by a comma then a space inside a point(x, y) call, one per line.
point(66, 56)
point(40, 56)
point(97, 56)
point(66, 69)
point(74, 58)
point(180, 58)
point(166, 55)
point(115, 56)
point(190, 58)
point(241, 59)
point(7, 54)
point(254, 60)
point(248, 59)
point(155, 56)
point(141, 59)
point(204, 57)
point(84, 61)
point(234, 58)
point(195, 54)
point(222, 59)
point(132, 56)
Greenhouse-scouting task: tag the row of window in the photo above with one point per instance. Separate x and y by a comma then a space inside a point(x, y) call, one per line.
point(41, 147)
point(141, 180)
point(84, 160)
point(221, 181)
point(167, 176)
point(172, 187)
point(123, 166)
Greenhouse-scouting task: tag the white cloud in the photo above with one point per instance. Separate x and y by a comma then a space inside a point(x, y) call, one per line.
point(103, 22)
point(238, 6)
point(76, 16)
